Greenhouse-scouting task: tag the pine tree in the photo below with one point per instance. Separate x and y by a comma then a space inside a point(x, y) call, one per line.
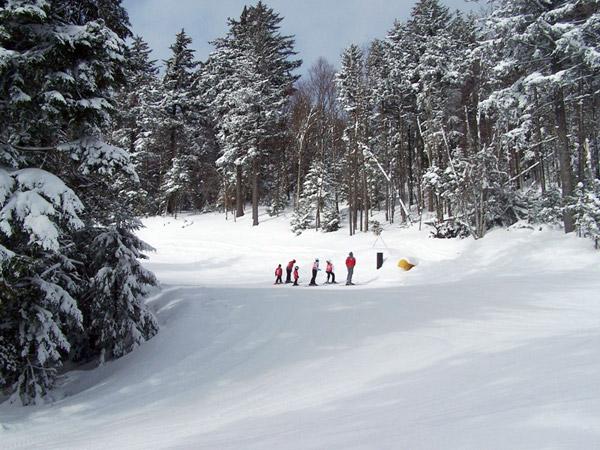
point(117, 319)
point(180, 110)
point(384, 118)
point(252, 80)
point(317, 199)
point(58, 72)
point(585, 207)
point(136, 121)
point(352, 96)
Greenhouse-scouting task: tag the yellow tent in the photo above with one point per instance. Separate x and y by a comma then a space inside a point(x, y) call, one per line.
point(404, 264)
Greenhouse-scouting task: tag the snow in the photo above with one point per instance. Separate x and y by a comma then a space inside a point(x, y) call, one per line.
point(54, 96)
point(487, 344)
point(42, 195)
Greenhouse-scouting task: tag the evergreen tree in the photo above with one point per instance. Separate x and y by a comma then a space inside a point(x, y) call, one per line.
point(58, 71)
point(117, 319)
point(317, 199)
point(585, 207)
point(252, 80)
point(352, 96)
point(179, 118)
point(135, 125)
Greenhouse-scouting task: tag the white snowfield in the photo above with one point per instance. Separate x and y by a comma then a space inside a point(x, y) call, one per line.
point(488, 344)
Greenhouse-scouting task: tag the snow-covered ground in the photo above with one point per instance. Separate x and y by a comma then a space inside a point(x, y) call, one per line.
point(488, 344)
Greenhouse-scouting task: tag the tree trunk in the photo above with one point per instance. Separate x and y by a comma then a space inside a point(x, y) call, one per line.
point(239, 192)
point(355, 193)
point(366, 205)
point(583, 158)
point(564, 157)
point(350, 202)
point(298, 185)
point(595, 160)
point(539, 148)
point(255, 192)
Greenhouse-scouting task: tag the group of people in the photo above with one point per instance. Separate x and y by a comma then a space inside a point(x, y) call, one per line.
point(291, 268)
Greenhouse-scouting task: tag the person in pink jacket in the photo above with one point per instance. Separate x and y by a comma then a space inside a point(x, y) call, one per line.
point(329, 270)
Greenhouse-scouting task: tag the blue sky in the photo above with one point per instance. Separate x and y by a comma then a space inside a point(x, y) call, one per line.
point(321, 27)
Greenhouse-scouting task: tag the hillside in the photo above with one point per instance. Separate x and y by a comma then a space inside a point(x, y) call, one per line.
point(488, 344)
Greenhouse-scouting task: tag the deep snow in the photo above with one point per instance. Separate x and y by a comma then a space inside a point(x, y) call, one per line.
point(488, 344)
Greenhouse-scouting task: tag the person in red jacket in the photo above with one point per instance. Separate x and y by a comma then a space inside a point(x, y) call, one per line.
point(296, 276)
point(278, 273)
point(288, 270)
point(350, 263)
point(330, 274)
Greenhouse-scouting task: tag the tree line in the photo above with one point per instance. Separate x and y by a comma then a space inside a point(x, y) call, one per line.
point(480, 120)
point(469, 121)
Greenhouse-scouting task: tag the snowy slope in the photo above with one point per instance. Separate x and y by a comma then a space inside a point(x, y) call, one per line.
point(489, 344)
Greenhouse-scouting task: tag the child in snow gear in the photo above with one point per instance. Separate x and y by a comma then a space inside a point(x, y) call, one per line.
point(296, 276)
point(278, 273)
point(315, 269)
point(350, 263)
point(288, 270)
point(329, 272)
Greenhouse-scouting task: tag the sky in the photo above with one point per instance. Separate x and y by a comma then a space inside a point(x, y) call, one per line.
point(322, 28)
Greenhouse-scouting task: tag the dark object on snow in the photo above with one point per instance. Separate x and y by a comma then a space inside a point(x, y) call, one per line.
point(379, 260)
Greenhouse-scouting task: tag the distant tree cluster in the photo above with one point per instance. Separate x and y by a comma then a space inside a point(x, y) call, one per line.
point(475, 121)
point(479, 121)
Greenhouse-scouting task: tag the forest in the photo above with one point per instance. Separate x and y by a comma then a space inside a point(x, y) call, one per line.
point(467, 121)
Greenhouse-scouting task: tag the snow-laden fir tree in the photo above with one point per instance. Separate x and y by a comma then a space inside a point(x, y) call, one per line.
point(59, 66)
point(432, 80)
point(180, 119)
point(317, 201)
point(134, 127)
point(252, 80)
point(39, 281)
point(117, 320)
point(385, 119)
point(353, 99)
point(585, 207)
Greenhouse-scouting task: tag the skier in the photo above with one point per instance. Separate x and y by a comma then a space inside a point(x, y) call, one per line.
point(296, 276)
point(350, 263)
point(329, 271)
point(315, 269)
point(288, 270)
point(278, 273)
